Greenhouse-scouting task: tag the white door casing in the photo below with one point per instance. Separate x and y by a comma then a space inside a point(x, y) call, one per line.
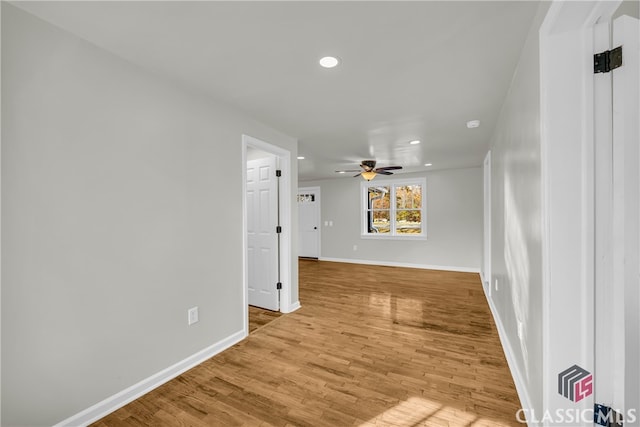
point(288, 187)
point(262, 239)
point(591, 207)
point(309, 222)
point(568, 196)
point(605, 292)
point(626, 220)
point(486, 270)
point(617, 186)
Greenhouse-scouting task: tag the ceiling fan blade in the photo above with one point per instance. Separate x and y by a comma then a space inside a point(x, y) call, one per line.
point(383, 172)
point(386, 168)
point(357, 174)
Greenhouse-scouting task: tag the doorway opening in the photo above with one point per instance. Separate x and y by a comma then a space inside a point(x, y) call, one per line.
point(266, 226)
point(259, 318)
point(309, 222)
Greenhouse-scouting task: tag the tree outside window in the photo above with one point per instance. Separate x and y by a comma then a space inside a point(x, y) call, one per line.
point(403, 217)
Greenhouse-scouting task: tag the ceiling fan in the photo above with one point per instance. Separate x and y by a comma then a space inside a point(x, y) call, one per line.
point(369, 170)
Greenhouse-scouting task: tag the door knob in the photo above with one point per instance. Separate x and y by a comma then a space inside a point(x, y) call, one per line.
point(315, 228)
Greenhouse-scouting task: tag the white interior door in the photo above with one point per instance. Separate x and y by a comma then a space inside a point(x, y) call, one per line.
point(309, 222)
point(262, 239)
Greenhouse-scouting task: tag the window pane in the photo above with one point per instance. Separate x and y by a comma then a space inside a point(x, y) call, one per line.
point(408, 221)
point(379, 198)
point(378, 221)
point(409, 197)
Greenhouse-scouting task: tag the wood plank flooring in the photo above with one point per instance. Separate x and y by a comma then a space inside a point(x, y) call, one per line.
point(259, 317)
point(371, 346)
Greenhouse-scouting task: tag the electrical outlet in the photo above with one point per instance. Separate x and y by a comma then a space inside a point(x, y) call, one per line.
point(192, 315)
point(330, 223)
point(326, 223)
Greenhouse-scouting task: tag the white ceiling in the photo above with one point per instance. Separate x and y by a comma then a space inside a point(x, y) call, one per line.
point(410, 70)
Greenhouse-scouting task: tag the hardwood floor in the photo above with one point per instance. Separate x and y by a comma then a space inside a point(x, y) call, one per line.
point(371, 346)
point(259, 317)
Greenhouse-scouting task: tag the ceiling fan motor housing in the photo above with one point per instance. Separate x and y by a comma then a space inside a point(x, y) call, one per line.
point(368, 164)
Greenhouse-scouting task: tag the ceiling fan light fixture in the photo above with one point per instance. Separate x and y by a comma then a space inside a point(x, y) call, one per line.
point(368, 175)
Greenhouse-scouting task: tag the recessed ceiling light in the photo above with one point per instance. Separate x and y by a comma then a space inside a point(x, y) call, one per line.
point(414, 142)
point(473, 124)
point(428, 164)
point(329, 61)
point(300, 157)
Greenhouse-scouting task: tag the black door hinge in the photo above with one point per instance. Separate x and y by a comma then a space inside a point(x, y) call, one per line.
point(605, 416)
point(278, 173)
point(278, 229)
point(279, 285)
point(608, 60)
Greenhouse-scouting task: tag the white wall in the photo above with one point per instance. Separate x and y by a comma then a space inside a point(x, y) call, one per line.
point(516, 218)
point(629, 8)
point(454, 222)
point(121, 207)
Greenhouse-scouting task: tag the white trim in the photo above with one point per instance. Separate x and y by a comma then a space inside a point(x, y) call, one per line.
point(626, 208)
point(291, 308)
point(1, 150)
point(509, 354)
point(284, 157)
point(404, 264)
point(482, 278)
point(118, 400)
point(567, 183)
point(486, 224)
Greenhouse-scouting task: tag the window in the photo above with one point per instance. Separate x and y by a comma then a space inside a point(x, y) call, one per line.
point(394, 208)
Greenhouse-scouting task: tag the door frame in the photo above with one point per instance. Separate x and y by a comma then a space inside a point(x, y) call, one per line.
point(316, 191)
point(626, 208)
point(486, 258)
point(283, 162)
point(568, 191)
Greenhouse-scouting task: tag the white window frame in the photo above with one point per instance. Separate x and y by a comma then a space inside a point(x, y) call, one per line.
point(392, 184)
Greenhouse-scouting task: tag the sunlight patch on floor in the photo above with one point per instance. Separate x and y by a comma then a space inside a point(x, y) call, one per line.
point(417, 411)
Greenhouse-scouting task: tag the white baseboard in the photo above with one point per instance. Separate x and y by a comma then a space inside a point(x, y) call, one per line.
point(118, 400)
point(518, 379)
point(486, 285)
point(291, 308)
point(404, 264)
